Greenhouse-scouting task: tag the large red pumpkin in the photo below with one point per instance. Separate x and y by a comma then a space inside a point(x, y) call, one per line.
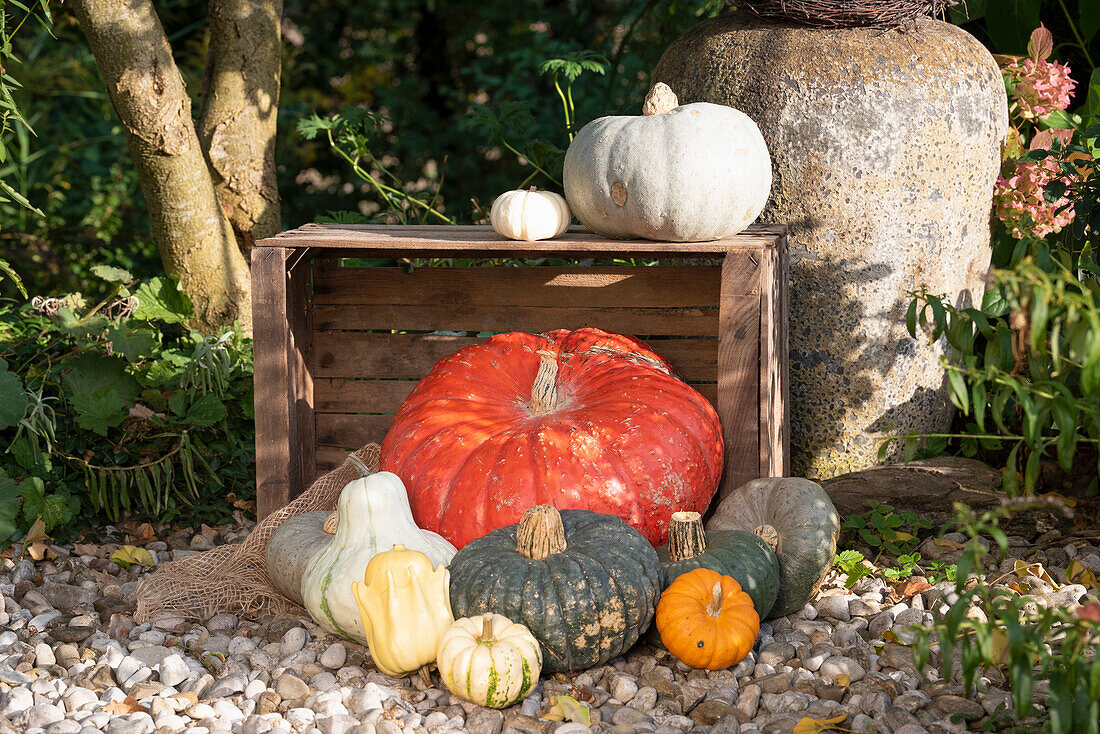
point(579, 420)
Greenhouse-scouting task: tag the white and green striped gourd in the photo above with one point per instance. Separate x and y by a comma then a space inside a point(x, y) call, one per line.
point(372, 516)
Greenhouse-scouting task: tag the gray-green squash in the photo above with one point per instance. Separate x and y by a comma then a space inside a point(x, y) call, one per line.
point(585, 584)
point(738, 553)
point(798, 520)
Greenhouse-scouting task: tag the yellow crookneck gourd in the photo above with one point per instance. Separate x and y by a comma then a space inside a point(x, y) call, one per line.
point(405, 607)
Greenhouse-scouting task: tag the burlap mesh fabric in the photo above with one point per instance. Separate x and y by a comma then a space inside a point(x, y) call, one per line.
point(233, 578)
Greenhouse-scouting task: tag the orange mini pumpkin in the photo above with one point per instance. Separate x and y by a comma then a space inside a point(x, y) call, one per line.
point(706, 620)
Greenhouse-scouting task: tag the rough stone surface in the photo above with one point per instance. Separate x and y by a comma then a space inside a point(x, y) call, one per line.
point(929, 487)
point(885, 147)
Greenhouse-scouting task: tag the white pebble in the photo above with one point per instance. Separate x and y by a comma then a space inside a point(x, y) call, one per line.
point(293, 641)
point(334, 656)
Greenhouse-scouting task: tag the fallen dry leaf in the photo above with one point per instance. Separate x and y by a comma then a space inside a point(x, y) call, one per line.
point(208, 531)
point(842, 679)
point(806, 725)
point(140, 534)
point(129, 555)
point(1079, 573)
point(34, 544)
point(246, 505)
point(567, 708)
point(912, 587)
point(1035, 570)
point(128, 705)
point(948, 544)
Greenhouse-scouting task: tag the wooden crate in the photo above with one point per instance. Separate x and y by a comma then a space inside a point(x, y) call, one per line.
point(330, 371)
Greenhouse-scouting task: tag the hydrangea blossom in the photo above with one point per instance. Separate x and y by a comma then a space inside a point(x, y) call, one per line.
point(1020, 203)
point(1041, 86)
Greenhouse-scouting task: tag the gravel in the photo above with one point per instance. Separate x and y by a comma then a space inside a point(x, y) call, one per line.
point(70, 654)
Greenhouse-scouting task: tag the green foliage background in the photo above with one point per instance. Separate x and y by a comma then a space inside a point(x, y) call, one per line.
point(424, 65)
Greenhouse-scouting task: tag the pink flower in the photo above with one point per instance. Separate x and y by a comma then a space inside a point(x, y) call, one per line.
point(1041, 86)
point(1089, 611)
point(1020, 204)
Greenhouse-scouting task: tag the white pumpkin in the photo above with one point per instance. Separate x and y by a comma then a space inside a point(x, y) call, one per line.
point(686, 173)
point(489, 660)
point(373, 515)
point(529, 215)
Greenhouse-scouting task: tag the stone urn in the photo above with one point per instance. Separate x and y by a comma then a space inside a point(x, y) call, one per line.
point(885, 147)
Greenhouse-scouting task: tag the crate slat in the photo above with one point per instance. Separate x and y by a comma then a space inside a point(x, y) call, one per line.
point(351, 431)
point(433, 240)
point(358, 354)
point(576, 287)
point(656, 321)
point(385, 396)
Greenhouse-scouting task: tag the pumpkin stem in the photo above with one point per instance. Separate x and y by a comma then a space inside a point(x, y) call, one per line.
point(425, 675)
point(532, 189)
point(686, 538)
point(714, 609)
point(769, 535)
point(540, 533)
point(486, 628)
point(661, 99)
point(544, 391)
point(364, 470)
point(332, 522)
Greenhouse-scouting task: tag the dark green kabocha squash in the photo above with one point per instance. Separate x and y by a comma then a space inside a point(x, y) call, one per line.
point(585, 584)
point(737, 553)
point(798, 520)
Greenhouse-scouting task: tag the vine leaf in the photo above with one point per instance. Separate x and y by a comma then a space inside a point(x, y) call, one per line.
point(100, 411)
point(13, 400)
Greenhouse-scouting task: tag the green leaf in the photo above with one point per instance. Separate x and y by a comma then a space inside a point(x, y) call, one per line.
point(73, 325)
point(1011, 25)
point(161, 300)
point(1088, 18)
point(1031, 470)
point(112, 274)
point(91, 373)
point(99, 411)
point(960, 396)
point(1067, 449)
point(10, 501)
point(13, 399)
point(177, 403)
point(6, 269)
point(978, 400)
point(18, 198)
point(206, 411)
point(163, 373)
point(1092, 101)
point(55, 508)
point(133, 344)
point(994, 303)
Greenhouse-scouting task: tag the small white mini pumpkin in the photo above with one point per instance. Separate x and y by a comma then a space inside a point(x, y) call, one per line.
point(529, 215)
point(489, 660)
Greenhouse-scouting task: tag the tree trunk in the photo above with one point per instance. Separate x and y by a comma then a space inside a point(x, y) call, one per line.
point(239, 111)
point(190, 228)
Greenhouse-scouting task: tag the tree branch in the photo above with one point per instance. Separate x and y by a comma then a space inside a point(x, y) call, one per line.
point(239, 110)
point(191, 231)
